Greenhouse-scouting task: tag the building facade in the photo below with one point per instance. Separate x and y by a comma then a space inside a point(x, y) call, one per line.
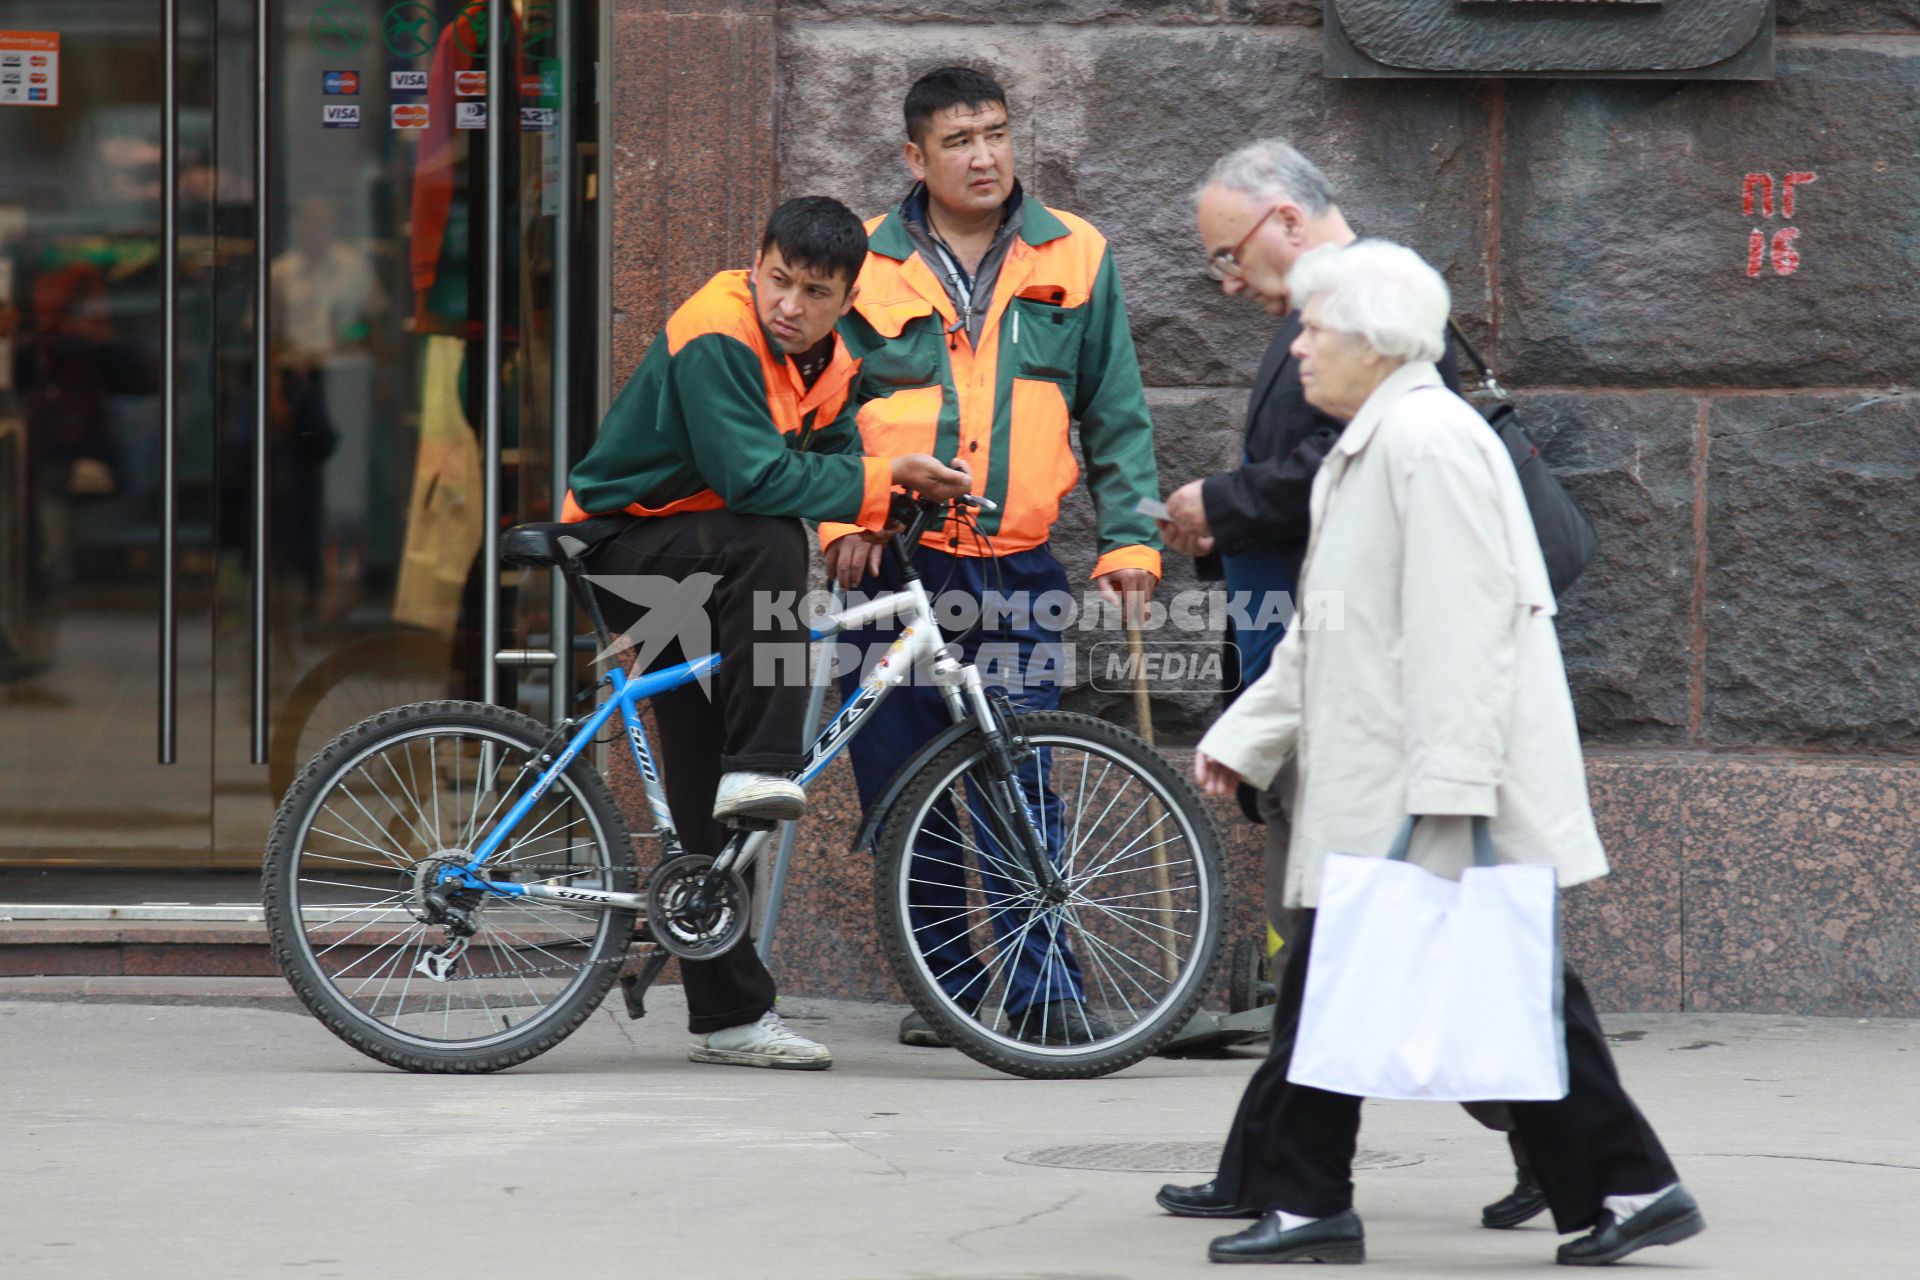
point(1696, 287)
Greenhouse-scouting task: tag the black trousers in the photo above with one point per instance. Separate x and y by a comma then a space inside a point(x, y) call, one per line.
point(722, 560)
point(1291, 1146)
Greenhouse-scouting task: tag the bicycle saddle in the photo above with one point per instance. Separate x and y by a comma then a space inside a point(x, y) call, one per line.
point(556, 544)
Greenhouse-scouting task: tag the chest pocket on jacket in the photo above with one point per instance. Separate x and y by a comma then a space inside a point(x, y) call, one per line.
point(1044, 339)
point(911, 360)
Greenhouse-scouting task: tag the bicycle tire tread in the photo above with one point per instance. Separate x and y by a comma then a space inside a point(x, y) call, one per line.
point(277, 862)
point(894, 933)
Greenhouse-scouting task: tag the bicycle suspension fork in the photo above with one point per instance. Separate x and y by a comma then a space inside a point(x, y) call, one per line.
point(1008, 814)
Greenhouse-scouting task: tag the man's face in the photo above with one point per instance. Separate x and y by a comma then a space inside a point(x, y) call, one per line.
point(797, 306)
point(965, 156)
point(1265, 239)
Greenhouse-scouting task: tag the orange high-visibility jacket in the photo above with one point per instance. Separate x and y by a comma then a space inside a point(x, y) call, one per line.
point(713, 417)
point(1054, 348)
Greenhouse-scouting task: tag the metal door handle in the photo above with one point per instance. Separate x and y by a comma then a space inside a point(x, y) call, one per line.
point(258, 597)
point(498, 15)
point(169, 388)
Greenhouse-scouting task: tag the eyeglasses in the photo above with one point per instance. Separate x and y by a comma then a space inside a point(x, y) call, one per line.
point(1224, 264)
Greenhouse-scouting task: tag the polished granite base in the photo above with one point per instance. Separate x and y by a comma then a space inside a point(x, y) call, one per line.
point(1758, 884)
point(1740, 883)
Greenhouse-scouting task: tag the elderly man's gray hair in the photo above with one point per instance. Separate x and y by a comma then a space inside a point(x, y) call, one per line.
point(1381, 292)
point(1269, 169)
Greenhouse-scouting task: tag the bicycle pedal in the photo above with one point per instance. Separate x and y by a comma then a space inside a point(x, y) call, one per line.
point(750, 824)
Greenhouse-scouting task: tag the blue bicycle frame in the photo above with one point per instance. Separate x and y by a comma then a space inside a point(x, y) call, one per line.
point(919, 639)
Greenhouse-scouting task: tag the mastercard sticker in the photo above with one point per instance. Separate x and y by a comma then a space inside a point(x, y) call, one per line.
point(409, 115)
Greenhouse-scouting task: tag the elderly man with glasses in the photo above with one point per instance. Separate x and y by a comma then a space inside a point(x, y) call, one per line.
point(1259, 210)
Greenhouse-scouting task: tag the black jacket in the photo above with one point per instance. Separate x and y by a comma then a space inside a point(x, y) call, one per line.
point(1286, 440)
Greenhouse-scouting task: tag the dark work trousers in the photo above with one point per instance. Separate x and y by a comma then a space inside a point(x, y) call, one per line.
point(1291, 1146)
point(1018, 655)
point(755, 727)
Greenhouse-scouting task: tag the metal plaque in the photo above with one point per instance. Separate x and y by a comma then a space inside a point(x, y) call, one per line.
point(1573, 39)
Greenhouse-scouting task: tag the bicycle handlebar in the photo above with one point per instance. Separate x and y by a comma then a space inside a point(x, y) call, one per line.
point(918, 514)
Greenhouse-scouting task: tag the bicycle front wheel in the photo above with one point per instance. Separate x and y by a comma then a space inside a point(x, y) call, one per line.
point(425, 975)
point(1091, 978)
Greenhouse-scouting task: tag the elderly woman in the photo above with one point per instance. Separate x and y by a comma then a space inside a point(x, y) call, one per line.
point(1423, 677)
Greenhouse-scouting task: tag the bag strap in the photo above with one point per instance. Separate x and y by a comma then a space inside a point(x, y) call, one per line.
point(1482, 843)
point(1486, 371)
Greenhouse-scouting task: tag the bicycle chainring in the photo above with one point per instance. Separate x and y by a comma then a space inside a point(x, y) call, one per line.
point(692, 912)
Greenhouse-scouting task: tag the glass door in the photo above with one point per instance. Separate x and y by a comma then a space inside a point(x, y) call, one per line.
point(268, 395)
point(430, 170)
point(108, 222)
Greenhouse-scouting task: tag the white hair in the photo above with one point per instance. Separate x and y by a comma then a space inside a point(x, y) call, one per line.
point(1270, 169)
point(1381, 292)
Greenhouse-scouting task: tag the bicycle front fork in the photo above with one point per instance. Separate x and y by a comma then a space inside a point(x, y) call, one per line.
point(1008, 815)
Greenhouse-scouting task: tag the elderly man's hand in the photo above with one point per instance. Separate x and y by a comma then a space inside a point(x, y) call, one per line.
point(1214, 778)
point(1183, 540)
point(1128, 588)
point(1187, 508)
point(1185, 529)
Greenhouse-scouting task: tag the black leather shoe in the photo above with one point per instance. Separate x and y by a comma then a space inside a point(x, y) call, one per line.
point(1524, 1202)
point(1672, 1218)
point(1202, 1201)
point(1336, 1239)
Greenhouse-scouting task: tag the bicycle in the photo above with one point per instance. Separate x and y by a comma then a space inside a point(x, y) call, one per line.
point(1030, 866)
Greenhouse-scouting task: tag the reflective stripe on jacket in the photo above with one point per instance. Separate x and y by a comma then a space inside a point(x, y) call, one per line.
point(1054, 348)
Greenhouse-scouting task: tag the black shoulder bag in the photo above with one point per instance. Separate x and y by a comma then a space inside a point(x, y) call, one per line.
point(1566, 535)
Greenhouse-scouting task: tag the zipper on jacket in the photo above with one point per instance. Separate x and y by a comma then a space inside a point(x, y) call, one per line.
point(1016, 328)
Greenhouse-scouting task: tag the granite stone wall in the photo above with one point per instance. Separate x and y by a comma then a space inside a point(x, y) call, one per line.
point(1702, 294)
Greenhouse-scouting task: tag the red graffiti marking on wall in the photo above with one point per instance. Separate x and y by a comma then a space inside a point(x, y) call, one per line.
point(1756, 195)
point(1786, 190)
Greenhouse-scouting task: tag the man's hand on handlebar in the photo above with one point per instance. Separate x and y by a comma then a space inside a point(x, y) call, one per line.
point(922, 474)
point(853, 557)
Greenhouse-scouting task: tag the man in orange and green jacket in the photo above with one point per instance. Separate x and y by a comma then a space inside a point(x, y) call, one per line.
point(986, 325)
point(736, 426)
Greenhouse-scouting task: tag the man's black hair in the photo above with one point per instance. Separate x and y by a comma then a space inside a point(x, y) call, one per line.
point(818, 233)
point(947, 87)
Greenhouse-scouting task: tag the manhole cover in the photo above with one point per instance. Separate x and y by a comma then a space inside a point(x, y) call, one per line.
point(1166, 1157)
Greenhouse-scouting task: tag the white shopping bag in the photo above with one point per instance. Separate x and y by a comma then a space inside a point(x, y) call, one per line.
point(1424, 988)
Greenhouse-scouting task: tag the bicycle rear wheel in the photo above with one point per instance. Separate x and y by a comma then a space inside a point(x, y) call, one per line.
point(351, 863)
point(1078, 987)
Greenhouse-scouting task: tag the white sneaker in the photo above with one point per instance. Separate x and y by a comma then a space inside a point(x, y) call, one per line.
point(766, 1043)
point(756, 798)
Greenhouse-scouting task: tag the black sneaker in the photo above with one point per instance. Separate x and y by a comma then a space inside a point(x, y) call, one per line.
point(916, 1030)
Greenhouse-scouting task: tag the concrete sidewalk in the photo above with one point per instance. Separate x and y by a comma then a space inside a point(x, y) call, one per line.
point(167, 1141)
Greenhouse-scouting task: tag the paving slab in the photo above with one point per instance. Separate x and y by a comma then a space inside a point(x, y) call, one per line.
point(191, 1141)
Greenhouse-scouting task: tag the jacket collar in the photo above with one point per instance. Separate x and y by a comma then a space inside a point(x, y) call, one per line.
point(890, 238)
point(1408, 377)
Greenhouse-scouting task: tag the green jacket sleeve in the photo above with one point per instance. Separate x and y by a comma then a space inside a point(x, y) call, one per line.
point(1116, 432)
point(721, 398)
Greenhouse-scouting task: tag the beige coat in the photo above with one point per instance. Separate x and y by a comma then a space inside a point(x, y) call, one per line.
point(1423, 674)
